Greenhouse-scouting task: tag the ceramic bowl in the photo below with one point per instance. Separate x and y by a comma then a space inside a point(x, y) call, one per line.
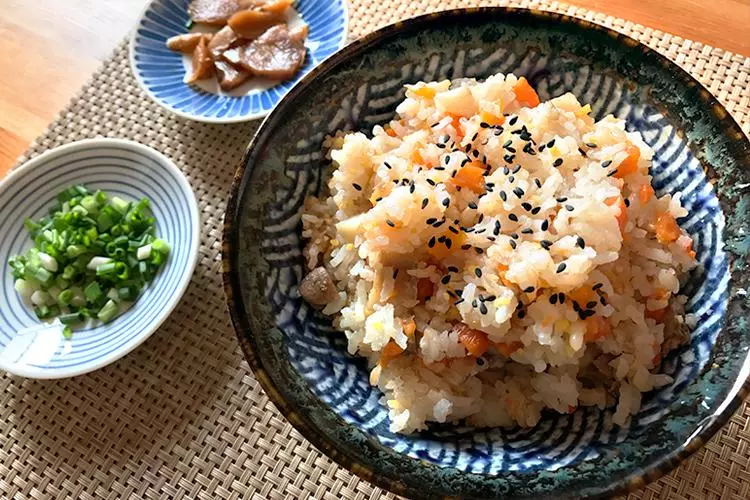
point(302, 362)
point(122, 168)
point(161, 71)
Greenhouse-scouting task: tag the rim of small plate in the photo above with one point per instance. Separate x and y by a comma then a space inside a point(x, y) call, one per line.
point(181, 285)
point(245, 334)
point(207, 119)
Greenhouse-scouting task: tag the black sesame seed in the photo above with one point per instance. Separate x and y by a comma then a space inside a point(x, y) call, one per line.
point(612, 173)
point(452, 229)
point(587, 314)
point(561, 297)
point(528, 289)
point(512, 244)
point(511, 179)
point(513, 217)
point(478, 272)
point(458, 302)
point(591, 305)
point(387, 165)
point(439, 223)
point(561, 199)
point(465, 246)
point(390, 223)
point(474, 303)
point(518, 192)
point(516, 169)
point(545, 225)
point(558, 162)
point(445, 279)
point(513, 121)
point(481, 218)
point(484, 125)
point(482, 308)
point(597, 286)
point(453, 174)
point(480, 361)
point(431, 243)
point(551, 143)
point(474, 137)
point(553, 299)
point(465, 161)
point(431, 221)
point(356, 186)
point(510, 149)
point(452, 269)
point(603, 301)
point(440, 145)
point(521, 314)
point(480, 231)
point(542, 147)
point(576, 307)
point(508, 143)
point(475, 153)
point(503, 196)
point(412, 187)
point(514, 236)
point(430, 182)
point(626, 201)
point(441, 239)
point(508, 158)
point(569, 208)
point(590, 145)
point(472, 205)
point(395, 273)
point(489, 184)
point(538, 183)
point(467, 148)
point(479, 250)
point(546, 244)
point(535, 210)
point(583, 153)
point(446, 159)
point(490, 238)
point(506, 170)
point(580, 242)
point(497, 228)
point(499, 131)
point(446, 202)
point(526, 205)
point(378, 199)
point(527, 230)
point(561, 267)
point(606, 163)
point(439, 169)
point(425, 202)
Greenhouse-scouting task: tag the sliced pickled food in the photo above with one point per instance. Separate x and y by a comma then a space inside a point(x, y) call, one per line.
point(216, 12)
point(251, 24)
point(223, 40)
point(299, 32)
point(203, 63)
point(185, 43)
point(229, 76)
point(274, 54)
point(276, 6)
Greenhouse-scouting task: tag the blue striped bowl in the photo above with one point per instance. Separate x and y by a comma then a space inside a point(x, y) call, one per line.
point(302, 361)
point(160, 71)
point(122, 168)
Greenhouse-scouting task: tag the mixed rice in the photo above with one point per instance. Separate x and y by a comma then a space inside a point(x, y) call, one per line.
point(493, 256)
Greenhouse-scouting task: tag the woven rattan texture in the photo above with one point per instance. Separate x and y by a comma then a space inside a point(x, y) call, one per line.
point(182, 416)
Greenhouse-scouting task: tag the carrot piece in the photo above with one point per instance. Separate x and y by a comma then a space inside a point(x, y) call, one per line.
point(409, 327)
point(391, 351)
point(622, 217)
point(507, 348)
point(416, 157)
point(471, 176)
point(666, 228)
point(389, 130)
point(657, 315)
point(441, 250)
point(596, 327)
point(425, 289)
point(456, 122)
point(525, 93)
point(475, 341)
point(425, 92)
point(582, 295)
point(491, 119)
point(645, 193)
point(630, 163)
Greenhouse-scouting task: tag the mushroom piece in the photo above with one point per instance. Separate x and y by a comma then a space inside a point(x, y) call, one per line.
point(318, 288)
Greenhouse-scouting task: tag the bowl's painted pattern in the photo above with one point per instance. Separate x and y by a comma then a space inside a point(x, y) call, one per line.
point(296, 353)
point(161, 73)
point(121, 168)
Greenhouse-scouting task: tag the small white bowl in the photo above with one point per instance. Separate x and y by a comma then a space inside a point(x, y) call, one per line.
point(131, 171)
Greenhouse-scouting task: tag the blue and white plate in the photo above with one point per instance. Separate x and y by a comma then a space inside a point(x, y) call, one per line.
point(161, 71)
point(122, 168)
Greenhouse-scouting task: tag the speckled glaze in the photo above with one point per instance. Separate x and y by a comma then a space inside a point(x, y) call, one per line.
point(302, 363)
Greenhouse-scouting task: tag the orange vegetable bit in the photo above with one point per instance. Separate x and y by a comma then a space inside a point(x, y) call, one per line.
point(508, 348)
point(409, 327)
point(630, 163)
point(456, 122)
point(666, 228)
point(471, 176)
point(622, 217)
point(491, 119)
point(525, 93)
point(687, 245)
point(645, 193)
point(441, 251)
point(425, 92)
point(425, 289)
point(391, 351)
point(389, 130)
point(416, 157)
point(597, 327)
point(582, 295)
point(475, 341)
point(658, 315)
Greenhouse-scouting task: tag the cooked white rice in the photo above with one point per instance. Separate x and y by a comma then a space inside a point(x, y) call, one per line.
point(546, 281)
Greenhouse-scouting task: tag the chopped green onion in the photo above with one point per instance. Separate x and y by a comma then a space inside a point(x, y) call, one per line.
point(108, 312)
point(67, 332)
point(144, 252)
point(120, 205)
point(65, 297)
point(71, 318)
point(93, 292)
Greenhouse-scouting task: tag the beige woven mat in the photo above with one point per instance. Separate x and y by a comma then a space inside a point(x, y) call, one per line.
point(182, 416)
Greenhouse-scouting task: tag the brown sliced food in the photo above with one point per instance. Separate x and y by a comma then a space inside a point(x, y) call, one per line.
point(203, 63)
point(276, 6)
point(318, 288)
point(215, 12)
point(229, 76)
point(274, 54)
point(223, 40)
point(186, 43)
point(250, 24)
point(299, 33)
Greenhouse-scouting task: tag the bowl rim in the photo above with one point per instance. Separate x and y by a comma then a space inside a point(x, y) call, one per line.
point(208, 119)
point(633, 481)
point(182, 284)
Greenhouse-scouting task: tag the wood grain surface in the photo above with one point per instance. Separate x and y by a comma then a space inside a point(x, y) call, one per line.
point(48, 48)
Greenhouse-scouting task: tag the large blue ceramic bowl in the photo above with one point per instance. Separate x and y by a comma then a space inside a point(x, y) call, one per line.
point(161, 73)
point(301, 361)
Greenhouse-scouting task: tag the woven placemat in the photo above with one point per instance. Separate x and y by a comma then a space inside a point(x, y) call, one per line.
point(182, 416)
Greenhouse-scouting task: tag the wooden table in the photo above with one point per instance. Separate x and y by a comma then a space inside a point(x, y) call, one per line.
point(48, 48)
